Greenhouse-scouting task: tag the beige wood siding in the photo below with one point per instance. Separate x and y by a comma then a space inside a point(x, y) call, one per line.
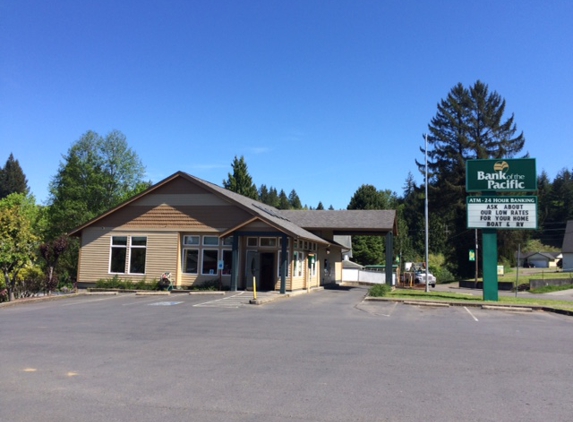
point(183, 217)
point(161, 254)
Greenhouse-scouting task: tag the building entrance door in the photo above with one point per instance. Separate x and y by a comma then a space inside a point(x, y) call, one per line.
point(268, 273)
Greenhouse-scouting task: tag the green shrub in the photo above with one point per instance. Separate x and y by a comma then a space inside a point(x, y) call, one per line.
point(117, 283)
point(380, 290)
point(443, 275)
point(208, 285)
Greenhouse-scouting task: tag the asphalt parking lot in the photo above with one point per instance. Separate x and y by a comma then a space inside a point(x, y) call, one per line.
point(324, 356)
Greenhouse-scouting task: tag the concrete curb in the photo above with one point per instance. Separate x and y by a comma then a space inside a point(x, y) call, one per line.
point(102, 293)
point(433, 304)
point(207, 293)
point(507, 308)
point(269, 299)
point(40, 299)
point(153, 293)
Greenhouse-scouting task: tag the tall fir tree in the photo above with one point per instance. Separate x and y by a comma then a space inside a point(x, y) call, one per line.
point(12, 178)
point(284, 203)
point(240, 181)
point(294, 200)
point(469, 124)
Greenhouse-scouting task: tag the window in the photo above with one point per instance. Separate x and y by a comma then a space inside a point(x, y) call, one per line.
point(227, 262)
point(269, 242)
point(118, 254)
point(228, 241)
point(298, 258)
point(252, 241)
point(312, 264)
point(211, 240)
point(190, 240)
point(210, 259)
point(137, 254)
point(191, 261)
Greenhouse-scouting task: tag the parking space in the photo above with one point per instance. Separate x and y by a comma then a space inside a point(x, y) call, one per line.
point(328, 356)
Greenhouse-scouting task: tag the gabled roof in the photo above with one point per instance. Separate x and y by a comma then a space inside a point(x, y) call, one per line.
point(344, 221)
point(568, 238)
point(294, 223)
point(551, 256)
point(263, 212)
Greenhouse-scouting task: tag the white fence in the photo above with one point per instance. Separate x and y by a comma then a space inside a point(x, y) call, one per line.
point(363, 276)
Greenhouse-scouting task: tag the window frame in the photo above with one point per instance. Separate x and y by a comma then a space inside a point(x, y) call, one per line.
point(113, 246)
point(216, 269)
point(184, 261)
point(132, 254)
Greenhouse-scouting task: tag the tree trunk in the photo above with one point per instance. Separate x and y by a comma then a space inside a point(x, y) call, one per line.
point(9, 286)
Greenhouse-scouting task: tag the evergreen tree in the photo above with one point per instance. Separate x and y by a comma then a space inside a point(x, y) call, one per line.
point(240, 181)
point(12, 178)
point(273, 197)
point(294, 200)
point(331, 207)
point(320, 206)
point(264, 194)
point(284, 203)
point(469, 124)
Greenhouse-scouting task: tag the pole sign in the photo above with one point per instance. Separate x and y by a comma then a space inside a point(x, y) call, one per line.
point(502, 212)
point(505, 175)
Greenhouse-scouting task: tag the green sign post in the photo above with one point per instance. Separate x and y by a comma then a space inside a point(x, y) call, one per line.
point(491, 177)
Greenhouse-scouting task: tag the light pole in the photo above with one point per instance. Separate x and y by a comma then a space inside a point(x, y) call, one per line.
point(426, 213)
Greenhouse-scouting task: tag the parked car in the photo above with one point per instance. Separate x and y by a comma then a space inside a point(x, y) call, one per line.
point(420, 278)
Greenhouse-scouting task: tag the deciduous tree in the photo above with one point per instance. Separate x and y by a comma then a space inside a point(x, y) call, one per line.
point(18, 238)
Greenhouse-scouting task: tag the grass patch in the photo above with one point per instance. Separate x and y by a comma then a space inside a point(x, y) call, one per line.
point(549, 289)
point(408, 294)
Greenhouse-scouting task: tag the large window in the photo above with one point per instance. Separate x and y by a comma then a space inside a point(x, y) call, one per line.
point(124, 249)
point(191, 261)
point(118, 254)
point(137, 255)
point(210, 259)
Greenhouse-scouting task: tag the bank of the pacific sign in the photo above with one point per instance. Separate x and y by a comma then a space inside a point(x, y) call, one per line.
point(504, 175)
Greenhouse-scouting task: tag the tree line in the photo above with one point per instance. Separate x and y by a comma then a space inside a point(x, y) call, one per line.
point(100, 172)
point(240, 181)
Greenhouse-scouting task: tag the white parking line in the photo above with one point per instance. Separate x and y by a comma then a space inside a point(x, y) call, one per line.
point(471, 314)
point(90, 301)
point(234, 301)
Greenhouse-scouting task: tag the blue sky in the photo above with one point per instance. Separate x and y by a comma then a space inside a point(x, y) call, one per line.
point(319, 96)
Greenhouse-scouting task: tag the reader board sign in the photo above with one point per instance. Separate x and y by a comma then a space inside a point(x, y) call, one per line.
point(502, 212)
point(505, 175)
